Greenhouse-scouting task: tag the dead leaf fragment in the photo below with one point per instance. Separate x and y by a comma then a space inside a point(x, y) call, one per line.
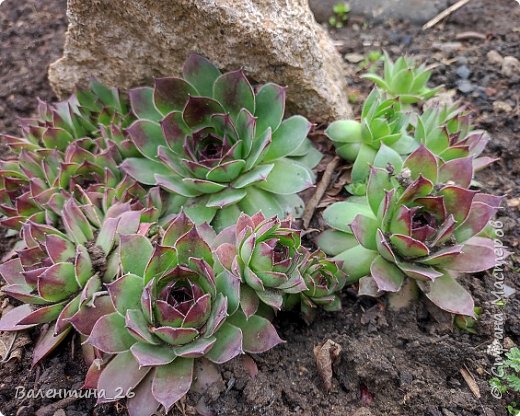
point(7, 340)
point(326, 354)
point(249, 365)
point(12, 343)
point(206, 374)
point(470, 381)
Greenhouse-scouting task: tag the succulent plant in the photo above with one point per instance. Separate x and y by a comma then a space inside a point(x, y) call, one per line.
point(387, 133)
point(264, 255)
point(340, 14)
point(420, 222)
point(36, 184)
point(58, 275)
point(84, 114)
point(447, 132)
point(468, 324)
point(324, 280)
point(169, 312)
point(79, 141)
point(218, 145)
point(382, 123)
point(404, 81)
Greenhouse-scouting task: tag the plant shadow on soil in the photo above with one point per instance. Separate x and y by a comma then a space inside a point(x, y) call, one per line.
point(392, 364)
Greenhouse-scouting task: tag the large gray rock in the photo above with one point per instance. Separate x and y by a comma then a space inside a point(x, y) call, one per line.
point(417, 11)
point(128, 42)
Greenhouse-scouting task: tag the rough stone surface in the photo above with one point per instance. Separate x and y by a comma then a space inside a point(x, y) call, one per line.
point(417, 11)
point(128, 42)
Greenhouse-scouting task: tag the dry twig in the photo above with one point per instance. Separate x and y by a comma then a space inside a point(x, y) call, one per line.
point(50, 409)
point(470, 35)
point(444, 14)
point(320, 190)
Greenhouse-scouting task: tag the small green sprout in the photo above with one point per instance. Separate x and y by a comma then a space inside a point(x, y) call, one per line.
point(340, 15)
point(371, 61)
point(468, 324)
point(513, 409)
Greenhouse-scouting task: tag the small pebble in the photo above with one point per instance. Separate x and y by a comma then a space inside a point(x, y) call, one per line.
point(501, 106)
point(405, 378)
point(510, 66)
point(463, 72)
point(513, 202)
point(490, 91)
point(354, 58)
point(509, 343)
point(494, 58)
point(464, 86)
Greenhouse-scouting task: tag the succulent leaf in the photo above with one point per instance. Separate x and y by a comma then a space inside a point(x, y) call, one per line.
point(200, 73)
point(172, 381)
point(46, 343)
point(135, 250)
point(170, 94)
point(448, 294)
point(142, 103)
point(109, 334)
point(122, 374)
point(270, 107)
point(289, 136)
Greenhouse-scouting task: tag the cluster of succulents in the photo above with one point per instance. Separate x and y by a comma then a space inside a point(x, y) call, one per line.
point(390, 128)
point(413, 220)
point(159, 224)
point(171, 308)
point(273, 268)
point(403, 81)
point(60, 149)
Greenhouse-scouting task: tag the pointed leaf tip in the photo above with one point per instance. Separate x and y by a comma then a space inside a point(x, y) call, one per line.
point(172, 381)
point(234, 92)
point(200, 73)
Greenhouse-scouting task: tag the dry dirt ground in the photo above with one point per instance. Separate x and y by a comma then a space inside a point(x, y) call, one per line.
point(395, 365)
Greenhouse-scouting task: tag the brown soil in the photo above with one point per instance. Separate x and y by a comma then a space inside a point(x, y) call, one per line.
point(392, 364)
